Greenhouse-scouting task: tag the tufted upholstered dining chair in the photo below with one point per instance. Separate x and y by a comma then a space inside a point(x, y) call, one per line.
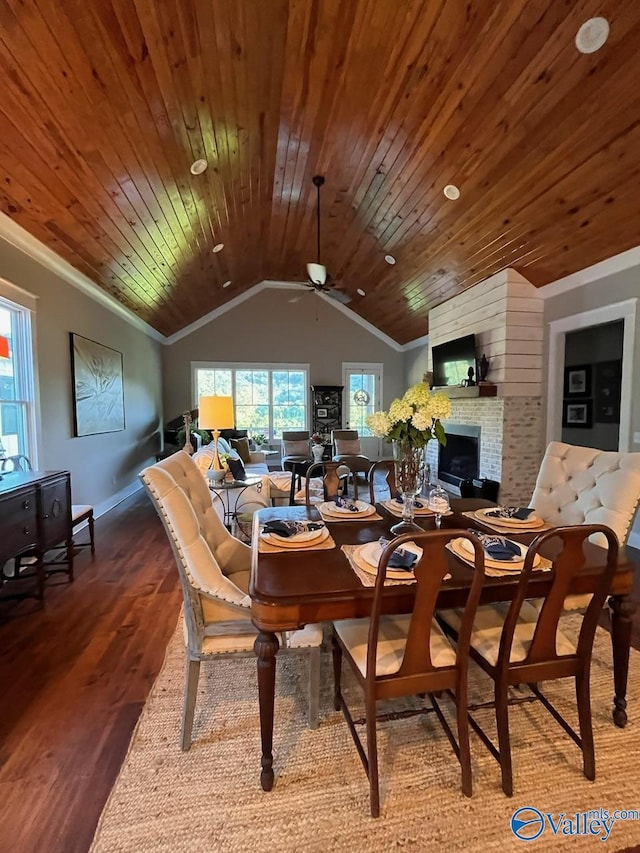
point(390, 658)
point(214, 570)
point(583, 485)
point(516, 643)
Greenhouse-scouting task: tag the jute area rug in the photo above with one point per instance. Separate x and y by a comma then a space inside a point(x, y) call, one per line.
point(209, 799)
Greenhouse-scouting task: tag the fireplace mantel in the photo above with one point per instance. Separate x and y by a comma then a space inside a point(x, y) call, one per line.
point(487, 389)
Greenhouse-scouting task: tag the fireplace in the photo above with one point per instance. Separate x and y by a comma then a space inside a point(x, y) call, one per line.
point(459, 460)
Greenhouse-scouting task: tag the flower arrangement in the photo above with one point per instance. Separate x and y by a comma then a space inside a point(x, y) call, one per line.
point(413, 419)
point(316, 438)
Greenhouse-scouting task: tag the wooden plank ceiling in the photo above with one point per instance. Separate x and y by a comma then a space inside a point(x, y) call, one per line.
point(106, 103)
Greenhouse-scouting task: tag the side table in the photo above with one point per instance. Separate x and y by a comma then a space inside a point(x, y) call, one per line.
point(222, 491)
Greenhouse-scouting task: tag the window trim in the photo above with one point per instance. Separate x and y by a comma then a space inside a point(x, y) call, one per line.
point(250, 365)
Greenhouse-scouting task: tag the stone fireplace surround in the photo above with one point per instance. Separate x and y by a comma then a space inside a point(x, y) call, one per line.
point(511, 442)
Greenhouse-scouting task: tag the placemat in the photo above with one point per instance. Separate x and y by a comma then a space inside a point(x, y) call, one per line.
point(504, 528)
point(544, 565)
point(375, 516)
point(396, 509)
point(268, 548)
point(365, 578)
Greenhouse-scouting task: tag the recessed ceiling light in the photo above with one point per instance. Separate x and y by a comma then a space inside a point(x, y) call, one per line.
point(592, 35)
point(452, 192)
point(361, 292)
point(198, 167)
point(226, 284)
point(218, 247)
point(390, 259)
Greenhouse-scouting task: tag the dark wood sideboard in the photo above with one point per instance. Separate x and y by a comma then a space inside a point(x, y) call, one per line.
point(35, 516)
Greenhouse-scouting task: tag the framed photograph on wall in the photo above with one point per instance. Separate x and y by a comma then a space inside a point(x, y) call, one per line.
point(322, 413)
point(577, 413)
point(577, 381)
point(607, 391)
point(98, 387)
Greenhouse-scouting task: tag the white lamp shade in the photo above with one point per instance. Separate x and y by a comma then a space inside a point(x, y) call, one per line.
point(317, 273)
point(215, 413)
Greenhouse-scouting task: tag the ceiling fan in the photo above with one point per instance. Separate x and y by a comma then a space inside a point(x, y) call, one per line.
point(318, 277)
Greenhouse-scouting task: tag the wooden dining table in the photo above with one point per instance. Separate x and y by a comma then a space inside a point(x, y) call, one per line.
point(293, 588)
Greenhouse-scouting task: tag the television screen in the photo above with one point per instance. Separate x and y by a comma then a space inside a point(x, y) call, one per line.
point(451, 361)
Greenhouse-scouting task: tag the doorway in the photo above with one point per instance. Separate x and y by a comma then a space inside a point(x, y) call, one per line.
point(362, 397)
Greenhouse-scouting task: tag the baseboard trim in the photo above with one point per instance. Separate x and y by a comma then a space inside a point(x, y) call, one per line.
point(115, 499)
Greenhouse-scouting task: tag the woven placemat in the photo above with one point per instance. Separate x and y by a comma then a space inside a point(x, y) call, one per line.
point(396, 509)
point(366, 578)
point(268, 548)
point(352, 517)
point(543, 566)
point(505, 528)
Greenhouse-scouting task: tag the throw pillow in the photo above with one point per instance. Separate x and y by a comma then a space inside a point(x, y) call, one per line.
point(351, 448)
point(297, 448)
point(242, 446)
point(237, 469)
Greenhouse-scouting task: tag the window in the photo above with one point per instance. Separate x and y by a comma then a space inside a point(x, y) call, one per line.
point(267, 398)
point(17, 418)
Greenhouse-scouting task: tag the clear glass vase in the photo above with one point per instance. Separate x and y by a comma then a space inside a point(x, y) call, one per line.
point(409, 469)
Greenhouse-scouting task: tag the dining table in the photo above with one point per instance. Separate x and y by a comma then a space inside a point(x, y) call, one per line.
point(292, 588)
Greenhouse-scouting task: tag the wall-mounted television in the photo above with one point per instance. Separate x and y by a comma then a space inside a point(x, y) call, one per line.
point(451, 361)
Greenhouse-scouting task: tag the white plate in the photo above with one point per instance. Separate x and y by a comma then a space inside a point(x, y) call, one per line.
point(363, 509)
point(370, 555)
point(483, 515)
point(515, 563)
point(301, 540)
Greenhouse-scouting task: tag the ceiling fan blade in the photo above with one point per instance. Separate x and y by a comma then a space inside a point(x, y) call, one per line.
point(338, 295)
point(317, 274)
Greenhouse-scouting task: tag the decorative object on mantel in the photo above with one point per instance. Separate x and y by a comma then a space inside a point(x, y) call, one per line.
point(483, 368)
point(409, 425)
point(427, 378)
point(469, 382)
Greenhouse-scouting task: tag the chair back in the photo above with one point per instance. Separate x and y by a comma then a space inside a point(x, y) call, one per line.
point(346, 442)
point(334, 480)
point(202, 546)
point(568, 546)
point(19, 462)
point(430, 570)
point(387, 467)
point(582, 485)
point(296, 443)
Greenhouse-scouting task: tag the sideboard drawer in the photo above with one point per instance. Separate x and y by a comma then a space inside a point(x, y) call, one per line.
point(19, 523)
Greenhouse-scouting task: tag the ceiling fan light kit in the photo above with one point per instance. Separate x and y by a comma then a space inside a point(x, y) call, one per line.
point(317, 273)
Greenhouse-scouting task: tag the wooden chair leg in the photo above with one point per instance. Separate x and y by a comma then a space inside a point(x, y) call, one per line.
point(372, 755)
point(91, 536)
point(583, 698)
point(314, 687)
point(504, 744)
point(337, 671)
point(190, 693)
point(463, 743)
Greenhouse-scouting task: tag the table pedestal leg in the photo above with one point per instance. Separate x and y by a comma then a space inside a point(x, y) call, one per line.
point(622, 609)
point(266, 648)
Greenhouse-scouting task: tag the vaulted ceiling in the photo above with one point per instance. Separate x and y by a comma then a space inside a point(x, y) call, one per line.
point(105, 104)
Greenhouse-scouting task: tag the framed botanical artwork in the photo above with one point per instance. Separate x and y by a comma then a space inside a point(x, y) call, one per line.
point(607, 391)
point(98, 387)
point(577, 381)
point(322, 413)
point(577, 413)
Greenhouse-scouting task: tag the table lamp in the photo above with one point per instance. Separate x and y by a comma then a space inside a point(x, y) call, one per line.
point(215, 413)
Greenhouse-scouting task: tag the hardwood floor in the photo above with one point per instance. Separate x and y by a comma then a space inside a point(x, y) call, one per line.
point(75, 676)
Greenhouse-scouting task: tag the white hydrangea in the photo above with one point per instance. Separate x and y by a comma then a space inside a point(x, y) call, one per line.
point(421, 420)
point(379, 423)
point(400, 411)
point(440, 406)
point(418, 395)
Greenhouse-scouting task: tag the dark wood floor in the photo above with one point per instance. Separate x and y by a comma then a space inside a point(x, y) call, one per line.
point(74, 677)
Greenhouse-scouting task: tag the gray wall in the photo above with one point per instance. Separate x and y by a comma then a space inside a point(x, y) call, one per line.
point(416, 362)
point(268, 327)
point(597, 294)
point(103, 467)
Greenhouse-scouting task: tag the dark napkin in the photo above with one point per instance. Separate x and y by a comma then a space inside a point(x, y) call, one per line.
point(345, 503)
point(401, 558)
point(497, 547)
point(522, 513)
point(417, 504)
point(291, 528)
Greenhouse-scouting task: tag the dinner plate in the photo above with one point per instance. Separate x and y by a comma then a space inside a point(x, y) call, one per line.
point(301, 540)
point(423, 510)
point(369, 555)
point(463, 548)
point(532, 521)
point(364, 509)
